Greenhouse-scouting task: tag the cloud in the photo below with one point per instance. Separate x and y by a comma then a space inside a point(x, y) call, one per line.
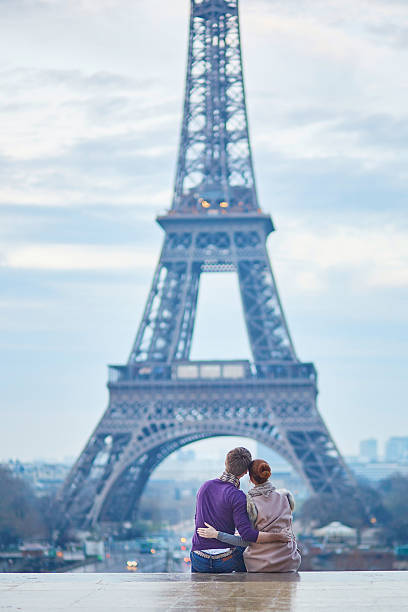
point(47, 112)
point(74, 135)
point(328, 97)
point(368, 258)
point(77, 142)
point(366, 142)
point(78, 257)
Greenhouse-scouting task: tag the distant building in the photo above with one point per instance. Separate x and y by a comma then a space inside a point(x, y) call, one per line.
point(376, 471)
point(369, 450)
point(45, 478)
point(396, 449)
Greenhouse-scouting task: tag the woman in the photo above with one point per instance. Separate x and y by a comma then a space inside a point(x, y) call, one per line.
point(270, 510)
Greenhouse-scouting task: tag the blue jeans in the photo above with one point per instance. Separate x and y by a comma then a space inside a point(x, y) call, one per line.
point(233, 563)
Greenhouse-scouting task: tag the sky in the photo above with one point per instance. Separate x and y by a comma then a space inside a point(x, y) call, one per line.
point(90, 110)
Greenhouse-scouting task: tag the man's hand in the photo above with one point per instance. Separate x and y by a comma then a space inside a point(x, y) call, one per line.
point(207, 532)
point(280, 536)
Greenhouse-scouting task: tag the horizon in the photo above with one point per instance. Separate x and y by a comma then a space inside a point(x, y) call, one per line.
point(201, 448)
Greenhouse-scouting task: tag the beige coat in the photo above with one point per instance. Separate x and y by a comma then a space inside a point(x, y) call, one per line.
point(273, 514)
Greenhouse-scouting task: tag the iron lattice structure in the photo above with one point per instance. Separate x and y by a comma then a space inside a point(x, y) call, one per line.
point(161, 400)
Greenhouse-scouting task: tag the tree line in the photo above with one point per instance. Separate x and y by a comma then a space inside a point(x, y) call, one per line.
point(23, 515)
point(382, 505)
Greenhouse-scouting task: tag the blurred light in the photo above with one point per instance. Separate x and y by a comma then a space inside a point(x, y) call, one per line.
point(107, 555)
point(153, 551)
point(60, 554)
point(205, 204)
point(183, 540)
point(186, 559)
point(373, 520)
point(224, 204)
point(183, 548)
point(131, 563)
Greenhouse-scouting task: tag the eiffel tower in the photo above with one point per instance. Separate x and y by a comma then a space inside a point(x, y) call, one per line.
point(161, 400)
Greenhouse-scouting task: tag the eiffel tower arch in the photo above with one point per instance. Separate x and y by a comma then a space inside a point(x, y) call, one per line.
point(160, 400)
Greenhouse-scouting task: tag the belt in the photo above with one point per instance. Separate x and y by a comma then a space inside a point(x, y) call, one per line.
point(200, 553)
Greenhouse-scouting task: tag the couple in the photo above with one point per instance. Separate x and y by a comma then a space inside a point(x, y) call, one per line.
point(263, 519)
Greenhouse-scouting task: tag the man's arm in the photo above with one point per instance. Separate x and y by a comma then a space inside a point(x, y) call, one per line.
point(233, 540)
point(241, 519)
point(281, 536)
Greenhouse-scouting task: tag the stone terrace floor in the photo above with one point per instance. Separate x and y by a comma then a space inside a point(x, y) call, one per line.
point(311, 591)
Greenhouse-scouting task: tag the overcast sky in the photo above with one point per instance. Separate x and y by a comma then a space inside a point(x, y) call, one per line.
point(90, 109)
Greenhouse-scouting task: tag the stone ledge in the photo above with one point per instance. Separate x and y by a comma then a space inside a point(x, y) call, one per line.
point(308, 591)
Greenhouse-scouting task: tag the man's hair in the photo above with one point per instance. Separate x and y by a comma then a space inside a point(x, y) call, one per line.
point(237, 461)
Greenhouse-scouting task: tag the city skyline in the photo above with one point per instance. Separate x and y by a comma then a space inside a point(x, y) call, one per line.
point(194, 463)
point(223, 444)
point(89, 158)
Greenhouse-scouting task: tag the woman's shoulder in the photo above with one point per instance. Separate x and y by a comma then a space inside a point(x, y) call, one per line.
point(251, 509)
point(288, 494)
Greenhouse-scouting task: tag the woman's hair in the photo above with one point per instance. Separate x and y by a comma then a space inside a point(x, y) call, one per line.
point(259, 471)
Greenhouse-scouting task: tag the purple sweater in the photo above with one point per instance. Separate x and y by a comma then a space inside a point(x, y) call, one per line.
point(223, 506)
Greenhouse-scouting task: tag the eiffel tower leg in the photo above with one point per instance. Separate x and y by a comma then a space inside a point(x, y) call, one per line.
point(167, 325)
point(92, 468)
point(266, 325)
point(314, 452)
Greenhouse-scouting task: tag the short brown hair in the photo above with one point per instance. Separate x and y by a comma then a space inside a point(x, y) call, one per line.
point(259, 471)
point(237, 461)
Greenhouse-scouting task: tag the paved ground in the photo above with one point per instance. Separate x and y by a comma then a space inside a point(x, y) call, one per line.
point(309, 591)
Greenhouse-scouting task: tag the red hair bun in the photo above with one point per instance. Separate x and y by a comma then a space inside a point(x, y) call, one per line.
point(259, 471)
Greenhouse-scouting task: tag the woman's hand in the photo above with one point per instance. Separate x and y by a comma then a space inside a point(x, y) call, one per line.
point(207, 532)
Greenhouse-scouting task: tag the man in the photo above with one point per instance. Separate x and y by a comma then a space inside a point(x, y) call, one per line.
point(221, 504)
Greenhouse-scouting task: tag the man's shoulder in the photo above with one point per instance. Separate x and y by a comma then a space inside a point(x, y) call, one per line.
point(237, 493)
point(228, 489)
point(234, 495)
point(209, 484)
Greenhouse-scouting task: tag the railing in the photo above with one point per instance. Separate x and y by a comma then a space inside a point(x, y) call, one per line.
point(212, 370)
